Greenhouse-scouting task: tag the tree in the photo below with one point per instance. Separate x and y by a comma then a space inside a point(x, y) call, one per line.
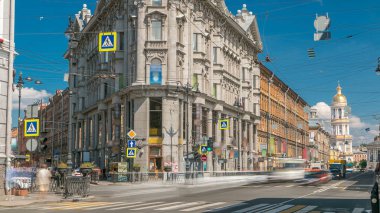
point(363, 164)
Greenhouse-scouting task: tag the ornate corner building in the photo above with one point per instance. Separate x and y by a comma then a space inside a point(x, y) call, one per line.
point(340, 123)
point(179, 68)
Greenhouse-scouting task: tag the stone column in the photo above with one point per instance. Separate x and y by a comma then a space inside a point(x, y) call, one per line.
point(210, 165)
point(95, 139)
point(172, 44)
point(103, 140)
point(250, 146)
point(181, 146)
point(255, 140)
point(141, 127)
point(245, 149)
point(218, 141)
point(141, 38)
point(170, 124)
point(239, 137)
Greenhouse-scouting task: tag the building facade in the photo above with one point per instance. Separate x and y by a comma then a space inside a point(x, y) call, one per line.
point(179, 68)
point(7, 52)
point(284, 120)
point(319, 139)
point(340, 123)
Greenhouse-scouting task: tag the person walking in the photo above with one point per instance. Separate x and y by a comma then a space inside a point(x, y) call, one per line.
point(43, 180)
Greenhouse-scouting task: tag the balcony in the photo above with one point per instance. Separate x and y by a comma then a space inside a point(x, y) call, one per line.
point(156, 45)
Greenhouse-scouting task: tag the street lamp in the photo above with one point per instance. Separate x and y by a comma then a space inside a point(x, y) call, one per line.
point(378, 67)
point(187, 89)
point(20, 85)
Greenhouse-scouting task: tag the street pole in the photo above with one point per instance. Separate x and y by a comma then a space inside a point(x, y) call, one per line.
point(171, 133)
point(270, 81)
point(61, 148)
point(20, 85)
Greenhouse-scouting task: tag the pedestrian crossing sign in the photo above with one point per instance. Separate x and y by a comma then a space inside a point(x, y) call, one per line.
point(32, 127)
point(107, 41)
point(131, 152)
point(224, 124)
point(203, 149)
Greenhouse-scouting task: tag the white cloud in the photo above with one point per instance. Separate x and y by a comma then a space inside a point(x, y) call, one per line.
point(323, 110)
point(356, 123)
point(28, 96)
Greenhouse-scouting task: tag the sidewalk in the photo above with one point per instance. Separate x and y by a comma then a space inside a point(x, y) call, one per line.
point(11, 201)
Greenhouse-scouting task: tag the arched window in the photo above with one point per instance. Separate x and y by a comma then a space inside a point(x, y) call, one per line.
point(156, 71)
point(156, 3)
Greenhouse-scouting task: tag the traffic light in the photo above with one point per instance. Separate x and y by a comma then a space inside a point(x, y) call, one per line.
point(210, 145)
point(43, 145)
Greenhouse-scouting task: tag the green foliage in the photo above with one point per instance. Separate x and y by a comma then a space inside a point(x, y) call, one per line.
point(62, 165)
point(87, 165)
point(363, 164)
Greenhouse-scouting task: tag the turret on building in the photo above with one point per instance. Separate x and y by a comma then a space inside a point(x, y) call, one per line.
point(340, 122)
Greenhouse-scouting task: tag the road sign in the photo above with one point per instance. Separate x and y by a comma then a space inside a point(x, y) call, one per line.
point(31, 145)
point(131, 152)
point(131, 134)
point(107, 41)
point(224, 124)
point(27, 159)
point(204, 158)
point(131, 143)
point(203, 149)
point(31, 127)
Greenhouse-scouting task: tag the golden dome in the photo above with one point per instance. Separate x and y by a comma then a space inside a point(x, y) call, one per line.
point(339, 97)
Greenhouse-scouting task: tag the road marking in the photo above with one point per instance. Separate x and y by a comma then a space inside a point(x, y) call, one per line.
point(180, 206)
point(267, 208)
point(293, 209)
point(279, 209)
point(202, 207)
point(358, 210)
point(143, 192)
point(226, 207)
point(307, 209)
point(289, 186)
point(132, 206)
point(160, 205)
point(112, 205)
point(250, 208)
point(74, 205)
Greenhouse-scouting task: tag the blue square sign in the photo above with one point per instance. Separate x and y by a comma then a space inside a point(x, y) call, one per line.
point(131, 143)
point(131, 152)
point(31, 127)
point(107, 41)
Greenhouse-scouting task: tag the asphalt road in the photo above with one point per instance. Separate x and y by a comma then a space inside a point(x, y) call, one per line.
point(339, 196)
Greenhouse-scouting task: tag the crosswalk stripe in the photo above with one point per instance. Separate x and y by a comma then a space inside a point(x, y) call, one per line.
point(289, 186)
point(202, 207)
point(226, 207)
point(267, 208)
point(293, 209)
point(279, 209)
point(132, 206)
point(112, 205)
point(180, 206)
point(250, 208)
point(358, 210)
point(73, 205)
point(160, 205)
point(306, 209)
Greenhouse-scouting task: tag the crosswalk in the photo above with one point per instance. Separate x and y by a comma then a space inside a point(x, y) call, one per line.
point(182, 206)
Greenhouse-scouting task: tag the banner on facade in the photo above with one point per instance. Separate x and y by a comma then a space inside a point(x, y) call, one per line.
point(156, 74)
point(271, 145)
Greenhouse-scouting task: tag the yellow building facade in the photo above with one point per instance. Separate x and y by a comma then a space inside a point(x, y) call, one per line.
point(284, 120)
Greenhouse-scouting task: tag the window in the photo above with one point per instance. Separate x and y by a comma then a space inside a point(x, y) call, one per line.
point(215, 55)
point(156, 3)
point(195, 82)
point(121, 41)
point(155, 118)
point(156, 30)
point(195, 42)
point(180, 33)
point(154, 151)
point(214, 91)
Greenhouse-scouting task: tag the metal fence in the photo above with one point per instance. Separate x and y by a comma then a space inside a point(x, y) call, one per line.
point(77, 186)
point(174, 177)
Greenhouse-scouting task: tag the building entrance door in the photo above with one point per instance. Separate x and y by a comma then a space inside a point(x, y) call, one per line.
point(155, 164)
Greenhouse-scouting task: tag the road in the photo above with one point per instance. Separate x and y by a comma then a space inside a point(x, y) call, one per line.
point(350, 195)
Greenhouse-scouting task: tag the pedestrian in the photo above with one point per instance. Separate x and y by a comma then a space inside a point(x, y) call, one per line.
point(43, 180)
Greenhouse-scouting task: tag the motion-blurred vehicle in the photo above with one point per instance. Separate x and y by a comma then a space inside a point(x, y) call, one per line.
point(338, 168)
point(288, 169)
point(316, 176)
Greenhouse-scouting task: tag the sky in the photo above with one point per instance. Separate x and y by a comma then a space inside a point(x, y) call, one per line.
point(286, 28)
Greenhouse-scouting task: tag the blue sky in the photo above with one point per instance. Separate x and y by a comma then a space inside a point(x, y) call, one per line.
point(286, 29)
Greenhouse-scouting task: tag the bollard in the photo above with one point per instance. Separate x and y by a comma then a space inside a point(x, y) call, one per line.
point(375, 198)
